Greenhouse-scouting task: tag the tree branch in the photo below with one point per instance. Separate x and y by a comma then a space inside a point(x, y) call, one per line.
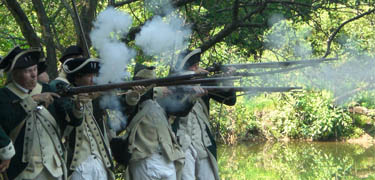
point(134, 30)
point(252, 25)
point(118, 4)
point(340, 27)
point(235, 11)
point(87, 17)
point(289, 2)
point(8, 36)
point(111, 2)
point(53, 17)
point(75, 21)
point(179, 3)
point(229, 29)
point(24, 23)
point(47, 37)
point(57, 39)
point(132, 12)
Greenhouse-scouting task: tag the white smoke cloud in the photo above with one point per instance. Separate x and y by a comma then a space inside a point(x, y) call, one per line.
point(286, 40)
point(163, 37)
point(109, 27)
point(117, 120)
point(115, 56)
point(159, 7)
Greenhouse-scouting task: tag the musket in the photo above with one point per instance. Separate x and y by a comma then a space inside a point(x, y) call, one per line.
point(223, 67)
point(81, 28)
point(246, 88)
point(167, 81)
point(284, 70)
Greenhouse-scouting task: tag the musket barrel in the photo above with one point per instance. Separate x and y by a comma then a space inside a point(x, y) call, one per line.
point(278, 64)
point(167, 81)
point(247, 88)
point(284, 70)
point(199, 81)
point(303, 63)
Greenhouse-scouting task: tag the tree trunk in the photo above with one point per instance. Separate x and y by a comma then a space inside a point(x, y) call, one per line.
point(24, 23)
point(75, 21)
point(87, 17)
point(47, 38)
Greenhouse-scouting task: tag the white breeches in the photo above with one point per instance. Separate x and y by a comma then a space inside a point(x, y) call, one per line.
point(45, 175)
point(155, 167)
point(90, 169)
point(196, 168)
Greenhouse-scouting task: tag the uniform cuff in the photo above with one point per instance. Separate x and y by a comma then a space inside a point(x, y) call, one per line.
point(7, 152)
point(132, 98)
point(78, 112)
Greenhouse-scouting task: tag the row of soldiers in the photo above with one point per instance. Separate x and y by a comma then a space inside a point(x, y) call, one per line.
point(45, 136)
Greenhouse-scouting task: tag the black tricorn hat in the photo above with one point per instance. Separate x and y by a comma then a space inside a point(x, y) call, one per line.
point(187, 59)
point(42, 67)
point(71, 51)
point(144, 72)
point(18, 58)
point(81, 66)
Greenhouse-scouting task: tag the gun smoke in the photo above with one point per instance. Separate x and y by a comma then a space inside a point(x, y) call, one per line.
point(164, 35)
point(351, 74)
point(115, 56)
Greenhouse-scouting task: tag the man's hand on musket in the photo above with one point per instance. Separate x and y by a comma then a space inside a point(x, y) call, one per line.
point(139, 89)
point(4, 165)
point(45, 98)
point(143, 89)
point(200, 70)
point(199, 92)
point(81, 99)
point(230, 71)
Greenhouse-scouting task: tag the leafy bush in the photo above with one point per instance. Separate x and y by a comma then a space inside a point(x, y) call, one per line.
point(306, 115)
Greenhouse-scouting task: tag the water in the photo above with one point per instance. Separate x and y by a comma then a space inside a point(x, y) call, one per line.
point(297, 160)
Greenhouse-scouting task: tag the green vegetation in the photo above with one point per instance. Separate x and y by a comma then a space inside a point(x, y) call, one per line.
point(294, 161)
point(245, 31)
point(298, 115)
point(240, 32)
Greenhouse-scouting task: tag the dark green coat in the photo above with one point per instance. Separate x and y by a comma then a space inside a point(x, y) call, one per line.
point(11, 115)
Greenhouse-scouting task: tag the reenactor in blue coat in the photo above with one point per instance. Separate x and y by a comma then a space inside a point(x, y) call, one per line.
point(30, 143)
point(88, 154)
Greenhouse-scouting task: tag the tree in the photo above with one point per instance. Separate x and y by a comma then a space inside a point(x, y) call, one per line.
point(237, 26)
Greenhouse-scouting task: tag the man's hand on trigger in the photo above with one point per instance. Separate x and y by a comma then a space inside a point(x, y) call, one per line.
point(4, 165)
point(45, 98)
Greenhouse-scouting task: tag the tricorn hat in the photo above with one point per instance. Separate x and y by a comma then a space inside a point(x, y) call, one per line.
point(81, 66)
point(18, 58)
point(42, 67)
point(187, 59)
point(71, 51)
point(144, 72)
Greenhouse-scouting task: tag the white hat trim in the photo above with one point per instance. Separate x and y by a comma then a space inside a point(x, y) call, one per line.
point(68, 71)
point(21, 54)
point(188, 56)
